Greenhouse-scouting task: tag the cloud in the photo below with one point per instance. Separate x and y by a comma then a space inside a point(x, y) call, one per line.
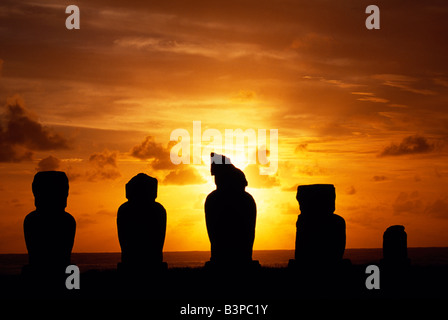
point(156, 153)
point(301, 148)
point(350, 190)
point(203, 48)
point(439, 81)
point(373, 99)
point(104, 166)
point(412, 202)
point(183, 176)
point(311, 40)
point(410, 145)
point(21, 134)
point(336, 82)
point(379, 178)
point(244, 96)
point(159, 159)
point(104, 159)
point(408, 203)
point(48, 164)
point(403, 82)
point(438, 208)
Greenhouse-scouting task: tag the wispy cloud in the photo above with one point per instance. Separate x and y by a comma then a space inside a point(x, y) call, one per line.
point(373, 99)
point(369, 97)
point(403, 82)
point(205, 48)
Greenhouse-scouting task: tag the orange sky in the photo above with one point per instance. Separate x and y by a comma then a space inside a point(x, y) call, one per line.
point(364, 110)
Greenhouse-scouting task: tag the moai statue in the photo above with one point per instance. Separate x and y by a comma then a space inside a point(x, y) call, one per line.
point(230, 214)
point(395, 265)
point(320, 238)
point(395, 247)
point(141, 224)
point(49, 230)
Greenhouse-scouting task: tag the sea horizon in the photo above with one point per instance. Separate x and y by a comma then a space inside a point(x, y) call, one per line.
point(12, 263)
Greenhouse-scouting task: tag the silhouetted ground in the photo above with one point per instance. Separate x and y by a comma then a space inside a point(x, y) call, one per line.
point(265, 284)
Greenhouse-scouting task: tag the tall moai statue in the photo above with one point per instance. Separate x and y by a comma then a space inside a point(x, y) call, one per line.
point(320, 237)
point(49, 230)
point(141, 224)
point(230, 214)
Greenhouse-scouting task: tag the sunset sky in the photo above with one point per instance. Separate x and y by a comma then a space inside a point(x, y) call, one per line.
point(365, 110)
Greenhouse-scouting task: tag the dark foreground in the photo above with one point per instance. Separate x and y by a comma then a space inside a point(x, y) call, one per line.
point(262, 284)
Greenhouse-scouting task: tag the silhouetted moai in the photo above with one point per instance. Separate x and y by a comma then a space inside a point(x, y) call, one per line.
point(320, 238)
point(141, 223)
point(320, 244)
point(395, 263)
point(230, 214)
point(49, 230)
point(395, 246)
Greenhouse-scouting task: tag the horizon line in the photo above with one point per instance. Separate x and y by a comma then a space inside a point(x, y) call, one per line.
point(184, 251)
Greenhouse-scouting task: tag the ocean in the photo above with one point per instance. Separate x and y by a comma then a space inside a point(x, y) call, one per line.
point(11, 264)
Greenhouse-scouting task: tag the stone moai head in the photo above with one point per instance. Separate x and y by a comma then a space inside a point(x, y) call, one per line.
point(141, 188)
point(395, 247)
point(50, 189)
point(316, 198)
point(227, 176)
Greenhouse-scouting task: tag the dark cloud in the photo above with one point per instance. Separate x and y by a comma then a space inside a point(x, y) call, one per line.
point(148, 149)
point(184, 176)
point(21, 134)
point(48, 164)
point(410, 145)
point(104, 166)
point(104, 159)
point(156, 153)
point(379, 178)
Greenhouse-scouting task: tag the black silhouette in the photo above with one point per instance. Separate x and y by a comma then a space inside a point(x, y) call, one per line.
point(395, 263)
point(395, 246)
point(141, 223)
point(320, 238)
point(49, 230)
point(230, 214)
